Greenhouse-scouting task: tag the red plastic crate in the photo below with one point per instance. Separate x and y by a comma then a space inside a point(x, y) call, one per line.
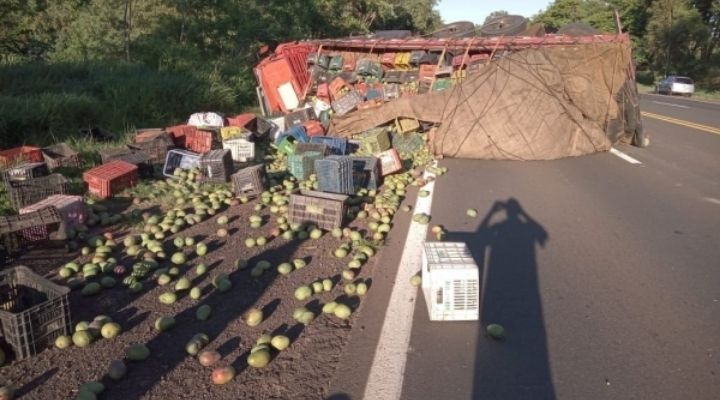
point(427, 71)
point(387, 60)
point(337, 85)
point(199, 141)
point(108, 179)
point(390, 162)
point(314, 128)
point(349, 62)
point(243, 120)
point(179, 132)
point(20, 154)
point(323, 91)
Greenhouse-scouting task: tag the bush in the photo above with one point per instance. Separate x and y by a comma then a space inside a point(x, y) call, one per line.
point(645, 78)
point(43, 103)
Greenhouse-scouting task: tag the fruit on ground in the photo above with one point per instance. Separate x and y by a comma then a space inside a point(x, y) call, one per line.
point(280, 342)
point(342, 311)
point(253, 317)
point(208, 358)
point(164, 323)
point(496, 331)
point(259, 359)
point(82, 338)
point(168, 298)
point(303, 293)
point(472, 213)
point(62, 342)
point(110, 330)
point(117, 370)
point(138, 352)
point(203, 312)
point(221, 376)
point(416, 280)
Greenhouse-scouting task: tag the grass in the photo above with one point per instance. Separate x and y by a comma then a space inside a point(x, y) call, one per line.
point(700, 94)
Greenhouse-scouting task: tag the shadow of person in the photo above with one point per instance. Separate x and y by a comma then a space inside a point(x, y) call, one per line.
point(518, 367)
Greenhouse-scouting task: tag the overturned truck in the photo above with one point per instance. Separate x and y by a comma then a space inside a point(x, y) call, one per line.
point(538, 97)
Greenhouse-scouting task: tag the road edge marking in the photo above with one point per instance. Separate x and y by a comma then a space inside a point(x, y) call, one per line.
point(624, 156)
point(387, 372)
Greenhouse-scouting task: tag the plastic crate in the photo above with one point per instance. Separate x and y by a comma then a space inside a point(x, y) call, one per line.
point(180, 159)
point(26, 172)
point(394, 76)
point(321, 60)
point(325, 210)
point(232, 132)
point(338, 87)
point(314, 128)
point(296, 132)
point(287, 145)
point(349, 62)
point(32, 227)
point(335, 175)
point(301, 148)
point(375, 140)
point(132, 156)
point(390, 162)
point(367, 67)
point(391, 91)
point(406, 125)
point(450, 282)
point(217, 165)
point(24, 193)
point(387, 60)
point(266, 128)
point(301, 166)
point(415, 57)
point(33, 311)
point(19, 155)
point(407, 142)
point(72, 210)
point(441, 84)
point(366, 173)
point(61, 155)
point(241, 150)
point(427, 71)
point(155, 146)
point(335, 145)
point(402, 61)
point(250, 181)
point(178, 133)
point(106, 180)
point(200, 141)
point(297, 118)
point(336, 63)
point(247, 121)
point(347, 103)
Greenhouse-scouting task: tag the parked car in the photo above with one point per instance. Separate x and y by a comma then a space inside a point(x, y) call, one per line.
point(676, 85)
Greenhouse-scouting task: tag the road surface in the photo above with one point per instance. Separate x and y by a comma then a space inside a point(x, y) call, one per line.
point(605, 274)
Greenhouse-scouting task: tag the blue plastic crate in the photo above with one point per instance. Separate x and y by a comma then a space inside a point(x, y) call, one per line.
point(336, 146)
point(335, 174)
point(297, 132)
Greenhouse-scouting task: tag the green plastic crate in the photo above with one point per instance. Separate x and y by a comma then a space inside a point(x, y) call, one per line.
point(375, 141)
point(302, 165)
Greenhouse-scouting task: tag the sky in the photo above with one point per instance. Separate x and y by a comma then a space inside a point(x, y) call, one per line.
point(476, 10)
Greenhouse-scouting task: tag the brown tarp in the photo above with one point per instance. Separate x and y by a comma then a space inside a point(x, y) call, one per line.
point(536, 104)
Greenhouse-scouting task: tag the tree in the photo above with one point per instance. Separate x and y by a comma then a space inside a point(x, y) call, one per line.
point(495, 14)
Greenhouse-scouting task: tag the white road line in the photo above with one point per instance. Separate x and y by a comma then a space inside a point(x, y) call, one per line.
point(388, 368)
point(670, 104)
point(712, 200)
point(624, 156)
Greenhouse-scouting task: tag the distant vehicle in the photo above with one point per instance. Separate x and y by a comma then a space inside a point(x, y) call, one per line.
point(676, 85)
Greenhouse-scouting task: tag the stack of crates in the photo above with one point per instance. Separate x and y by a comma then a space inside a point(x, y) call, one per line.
point(31, 227)
point(450, 282)
point(200, 141)
point(301, 166)
point(335, 174)
point(26, 172)
point(24, 193)
point(154, 143)
point(106, 180)
point(217, 165)
point(19, 155)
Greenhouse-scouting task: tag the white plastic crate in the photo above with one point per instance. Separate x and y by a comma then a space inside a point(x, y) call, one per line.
point(450, 282)
point(240, 149)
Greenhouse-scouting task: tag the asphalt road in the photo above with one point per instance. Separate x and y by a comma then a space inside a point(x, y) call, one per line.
point(606, 276)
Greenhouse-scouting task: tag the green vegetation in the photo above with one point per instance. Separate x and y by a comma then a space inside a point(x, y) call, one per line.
point(120, 64)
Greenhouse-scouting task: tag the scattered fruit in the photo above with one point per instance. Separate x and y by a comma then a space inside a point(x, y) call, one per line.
point(259, 359)
point(253, 317)
point(221, 376)
point(208, 358)
point(138, 352)
point(496, 331)
point(280, 342)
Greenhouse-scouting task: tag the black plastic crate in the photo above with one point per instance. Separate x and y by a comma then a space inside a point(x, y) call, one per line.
point(297, 118)
point(217, 165)
point(61, 155)
point(26, 171)
point(23, 193)
point(335, 145)
point(250, 181)
point(33, 311)
point(366, 173)
point(347, 103)
point(155, 147)
point(132, 156)
point(335, 175)
point(325, 210)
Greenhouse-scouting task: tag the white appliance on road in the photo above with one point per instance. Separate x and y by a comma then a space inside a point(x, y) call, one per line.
point(450, 282)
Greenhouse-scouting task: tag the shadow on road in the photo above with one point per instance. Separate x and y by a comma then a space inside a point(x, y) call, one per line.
point(517, 367)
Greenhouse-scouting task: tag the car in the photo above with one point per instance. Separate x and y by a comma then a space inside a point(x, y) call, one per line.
point(676, 85)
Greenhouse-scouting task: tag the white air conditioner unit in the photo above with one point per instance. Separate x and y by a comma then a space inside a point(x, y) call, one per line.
point(450, 282)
